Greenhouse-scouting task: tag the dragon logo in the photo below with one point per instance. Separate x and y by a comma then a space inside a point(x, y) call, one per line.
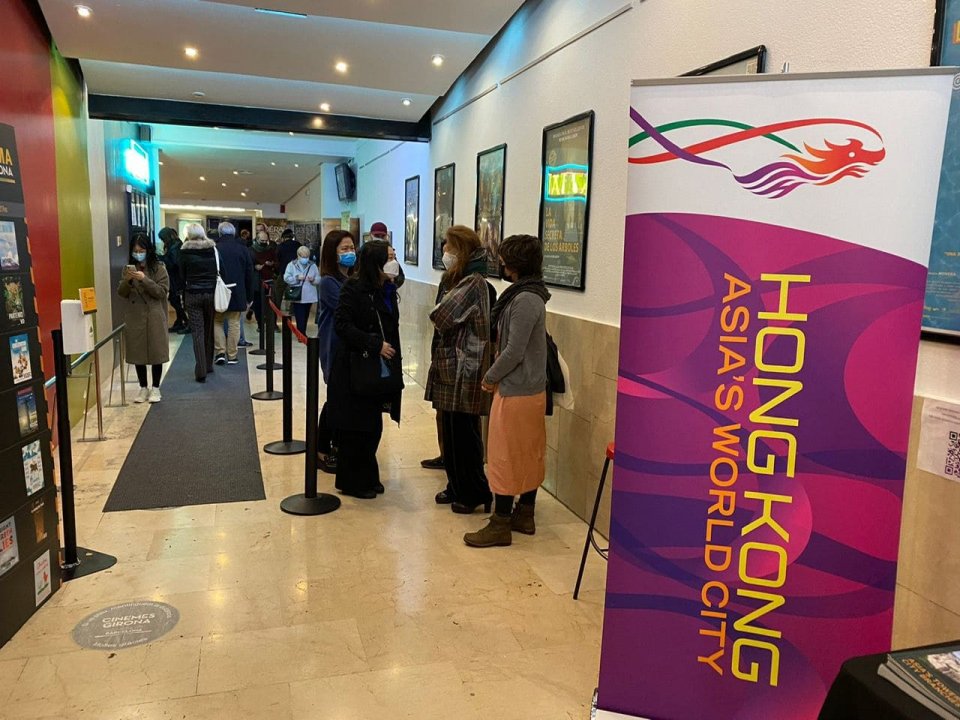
point(852, 158)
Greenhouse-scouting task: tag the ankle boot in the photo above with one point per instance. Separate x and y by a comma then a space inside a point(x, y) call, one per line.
point(497, 532)
point(522, 520)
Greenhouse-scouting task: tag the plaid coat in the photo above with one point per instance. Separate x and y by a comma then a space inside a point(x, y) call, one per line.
point(461, 353)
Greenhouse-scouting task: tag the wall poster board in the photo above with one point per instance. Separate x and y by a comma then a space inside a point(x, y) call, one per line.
point(444, 185)
point(488, 222)
point(565, 200)
point(411, 221)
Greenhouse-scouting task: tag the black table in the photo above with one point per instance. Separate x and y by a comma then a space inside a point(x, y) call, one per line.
point(859, 693)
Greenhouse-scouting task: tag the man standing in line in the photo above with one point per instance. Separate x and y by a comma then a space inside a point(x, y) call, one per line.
point(236, 269)
point(286, 254)
point(171, 259)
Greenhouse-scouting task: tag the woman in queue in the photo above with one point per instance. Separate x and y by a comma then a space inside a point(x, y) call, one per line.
point(338, 257)
point(145, 286)
point(461, 357)
point(368, 336)
point(198, 268)
point(517, 444)
point(301, 279)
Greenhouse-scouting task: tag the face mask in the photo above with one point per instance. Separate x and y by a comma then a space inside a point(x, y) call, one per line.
point(503, 273)
point(391, 269)
point(139, 257)
point(304, 261)
point(449, 260)
point(348, 259)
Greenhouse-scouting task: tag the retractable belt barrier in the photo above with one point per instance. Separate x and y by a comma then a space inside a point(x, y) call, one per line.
point(276, 315)
point(286, 446)
point(268, 330)
point(266, 290)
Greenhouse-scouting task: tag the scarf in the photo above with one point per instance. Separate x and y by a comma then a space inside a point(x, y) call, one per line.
point(533, 285)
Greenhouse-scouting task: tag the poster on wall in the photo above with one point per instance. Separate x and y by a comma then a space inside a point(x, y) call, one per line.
point(411, 222)
point(444, 184)
point(11, 187)
point(748, 62)
point(488, 222)
point(32, 467)
point(941, 311)
point(565, 200)
point(772, 297)
point(9, 552)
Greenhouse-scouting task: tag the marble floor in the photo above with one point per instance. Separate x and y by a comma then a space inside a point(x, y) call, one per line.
point(376, 611)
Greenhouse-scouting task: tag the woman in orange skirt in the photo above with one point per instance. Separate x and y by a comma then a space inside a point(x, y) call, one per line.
point(517, 444)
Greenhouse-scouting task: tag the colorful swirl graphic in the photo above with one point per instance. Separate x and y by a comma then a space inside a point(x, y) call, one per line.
point(777, 179)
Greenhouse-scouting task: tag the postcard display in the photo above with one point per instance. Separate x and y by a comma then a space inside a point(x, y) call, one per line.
point(29, 536)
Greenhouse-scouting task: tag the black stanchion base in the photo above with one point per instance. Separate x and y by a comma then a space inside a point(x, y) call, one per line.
point(263, 366)
point(268, 395)
point(258, 351)
point(302, 505)
point(294, 447)
point(91, 562)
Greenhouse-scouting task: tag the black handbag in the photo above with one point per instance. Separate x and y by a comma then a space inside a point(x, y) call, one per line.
point(372, 375)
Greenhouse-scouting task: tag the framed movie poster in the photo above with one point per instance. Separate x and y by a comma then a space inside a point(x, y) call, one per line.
point(444, 182)
point(565, 200)
point(411, 221)
point(491, 181)
point(748, 62)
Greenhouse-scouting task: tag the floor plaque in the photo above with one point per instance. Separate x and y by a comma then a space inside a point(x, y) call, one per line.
point(126, 625)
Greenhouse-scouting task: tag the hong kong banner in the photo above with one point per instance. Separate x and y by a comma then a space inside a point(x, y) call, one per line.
point(777, 234)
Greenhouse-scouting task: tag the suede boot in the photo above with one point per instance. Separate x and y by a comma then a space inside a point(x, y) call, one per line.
point(497, 532)
point(522, 520)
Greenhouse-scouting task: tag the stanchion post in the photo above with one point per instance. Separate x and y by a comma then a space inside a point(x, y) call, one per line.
point(310, 502)
point(270, 323)
point(77, 561)
point(288, 446)
point(271, 364)
point(264, 309)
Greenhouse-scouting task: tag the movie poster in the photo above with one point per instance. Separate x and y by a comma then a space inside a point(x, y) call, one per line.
point(444, 182)
point(9, 552)
point(32, 467)
point(27, 412)
point(11, 189)
point(41, 578)
point(565, 202)
point(9, 254)
point(12, 290)
point(491, 178)
point(20, 358)
point(411, 219)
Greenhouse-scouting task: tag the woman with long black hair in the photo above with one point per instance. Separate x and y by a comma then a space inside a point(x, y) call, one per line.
point(145, 286)
point(367, 325)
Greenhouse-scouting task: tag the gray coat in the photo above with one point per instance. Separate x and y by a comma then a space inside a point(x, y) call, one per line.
point(145, 313)
point(521, 365)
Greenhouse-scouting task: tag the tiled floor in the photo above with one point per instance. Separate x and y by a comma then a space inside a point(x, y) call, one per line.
point(376, 611)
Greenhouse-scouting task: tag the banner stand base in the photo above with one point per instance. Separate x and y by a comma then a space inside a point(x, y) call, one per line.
point(90, 562)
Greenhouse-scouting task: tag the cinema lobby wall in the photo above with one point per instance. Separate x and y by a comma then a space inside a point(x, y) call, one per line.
point(594, 73)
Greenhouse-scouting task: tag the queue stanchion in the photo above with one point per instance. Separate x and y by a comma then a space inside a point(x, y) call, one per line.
point(261, 348)
point(311, 502)
point(269, 326)
point(77, 561)
point(278, 317)
point(288, 446)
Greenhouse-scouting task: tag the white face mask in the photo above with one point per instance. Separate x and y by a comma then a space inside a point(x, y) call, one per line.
point(449, 260)
point(391, 269)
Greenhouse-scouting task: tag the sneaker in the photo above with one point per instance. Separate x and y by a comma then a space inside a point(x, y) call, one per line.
point(142, 395)
point(433, 463)
point(154, 395)
point(244, 343)
point(232, 361)
point(220, 359)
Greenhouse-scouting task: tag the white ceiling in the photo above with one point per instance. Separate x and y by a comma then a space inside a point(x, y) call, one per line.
point(135, 48)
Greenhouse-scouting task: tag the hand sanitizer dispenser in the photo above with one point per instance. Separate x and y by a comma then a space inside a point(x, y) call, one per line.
point(78, 335)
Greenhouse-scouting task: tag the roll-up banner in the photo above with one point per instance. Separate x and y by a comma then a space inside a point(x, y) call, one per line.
point(777, 237)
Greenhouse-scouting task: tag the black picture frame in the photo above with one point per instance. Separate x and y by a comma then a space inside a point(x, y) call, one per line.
point(411, 221)
point(552, 275)
point(759, 52)
point(493, 258)
point(443, 208)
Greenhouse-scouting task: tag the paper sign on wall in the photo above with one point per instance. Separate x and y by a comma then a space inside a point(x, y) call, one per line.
point(939, 451)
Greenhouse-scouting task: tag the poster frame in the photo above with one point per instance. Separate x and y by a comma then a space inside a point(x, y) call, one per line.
point(759, 52)
point(438, 241)
point(592, 116)
point(414, 257)
point(493, 262)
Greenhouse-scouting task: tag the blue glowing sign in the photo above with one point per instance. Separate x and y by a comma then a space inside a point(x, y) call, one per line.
point(566, 183)
point(136, 164)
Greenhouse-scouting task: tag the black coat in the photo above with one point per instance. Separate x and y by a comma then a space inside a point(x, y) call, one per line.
point(358, 329)
point(198, 266)
point(171, 259)
point(236, 267)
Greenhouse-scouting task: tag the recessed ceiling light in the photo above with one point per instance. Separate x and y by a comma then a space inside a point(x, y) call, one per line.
point(437, 60)
point(215, 127)
point(407, 102)
point(223, 184)
point(342, 67)
point(191, 52)
point(83, 11)
point(161, 162)
point(236, 172)
point(296, 164)
point(202, 179)
point(290, 134)
point(318, 122)
point(243, 194)
point(274, 164)
point(199, 94)
point(325, 107)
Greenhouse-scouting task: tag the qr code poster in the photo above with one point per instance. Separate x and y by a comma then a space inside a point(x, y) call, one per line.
point(939, 451)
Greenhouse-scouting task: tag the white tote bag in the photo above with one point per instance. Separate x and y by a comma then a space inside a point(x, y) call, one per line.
point(565, 399)
point(221, 296)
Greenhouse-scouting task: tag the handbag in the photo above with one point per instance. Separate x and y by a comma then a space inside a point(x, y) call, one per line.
point(294, 293)
point(222, 293)
point(372, 375)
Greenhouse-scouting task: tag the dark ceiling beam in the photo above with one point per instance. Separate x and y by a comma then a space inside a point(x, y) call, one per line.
point(172, 112)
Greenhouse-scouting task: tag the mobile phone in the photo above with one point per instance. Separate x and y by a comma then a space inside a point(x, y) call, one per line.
point(131, 269)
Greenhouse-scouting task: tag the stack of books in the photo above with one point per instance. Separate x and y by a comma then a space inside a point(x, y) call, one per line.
point(931, 677)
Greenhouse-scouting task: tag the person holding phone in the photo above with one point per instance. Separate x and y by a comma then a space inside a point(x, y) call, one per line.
point(144, 286)
point(301, 278)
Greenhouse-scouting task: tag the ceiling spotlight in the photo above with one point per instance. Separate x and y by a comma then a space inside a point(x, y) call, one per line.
point(161, 162)
point(243, 194)
point(191, 52)
point(83, 11)
point(342, 67)
point(407, 102)
point(199, 94)
point(223, 184)
point(202, 179)
point(215, 127)
point(325, 107)
point(274, 164)
point(437, 60)
point(290, 134)
point(318, 122)
point(296, 164)
point(236, 172)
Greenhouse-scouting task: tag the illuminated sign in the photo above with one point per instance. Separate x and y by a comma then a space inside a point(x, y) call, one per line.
point(136, 163)
point(566, 183)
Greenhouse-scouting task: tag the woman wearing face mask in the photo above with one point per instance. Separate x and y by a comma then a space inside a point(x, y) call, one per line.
point(144, 286)
point(517, 379)
point(338, 256)
point(461, 357)
point(301, 278)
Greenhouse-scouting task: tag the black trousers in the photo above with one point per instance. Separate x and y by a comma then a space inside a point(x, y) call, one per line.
point(463, 458)
point(357, 467)
point(176, 302)
point(326, 442)
point(258, 306)
point(301, 312)
point(200, 314)
point(155, 370)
